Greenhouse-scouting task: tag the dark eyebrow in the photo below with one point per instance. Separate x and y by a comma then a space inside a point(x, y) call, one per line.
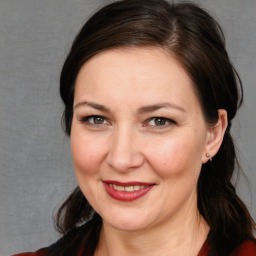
point(92, 105)
point(154, 107)
point(142, 110)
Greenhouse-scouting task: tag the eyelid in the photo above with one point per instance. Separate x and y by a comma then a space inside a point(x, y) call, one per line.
point(170, 122)
point(85, 119)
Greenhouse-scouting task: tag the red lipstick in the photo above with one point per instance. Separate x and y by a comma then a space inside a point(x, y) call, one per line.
point(126, 191)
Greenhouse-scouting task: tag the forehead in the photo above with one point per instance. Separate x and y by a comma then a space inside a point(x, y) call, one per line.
point(142, 74)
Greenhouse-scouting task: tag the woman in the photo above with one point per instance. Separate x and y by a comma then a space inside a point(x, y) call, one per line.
point(149, 94)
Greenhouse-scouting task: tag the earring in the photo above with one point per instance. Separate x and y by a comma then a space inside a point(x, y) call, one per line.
point(209, 156)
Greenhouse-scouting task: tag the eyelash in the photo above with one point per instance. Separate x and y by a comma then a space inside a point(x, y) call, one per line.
point(161, 126)
point(87, 118)
point(146, 123)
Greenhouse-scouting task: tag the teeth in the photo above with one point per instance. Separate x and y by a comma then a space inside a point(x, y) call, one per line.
point(127, 188)
point(119, 188)
point(137, 188)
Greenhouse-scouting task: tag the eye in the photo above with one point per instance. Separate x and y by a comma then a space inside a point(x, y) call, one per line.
point(94, 120)
point(160, 122)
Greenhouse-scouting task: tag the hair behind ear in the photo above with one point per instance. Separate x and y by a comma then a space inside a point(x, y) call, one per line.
point(215, 137)
point(229, 220)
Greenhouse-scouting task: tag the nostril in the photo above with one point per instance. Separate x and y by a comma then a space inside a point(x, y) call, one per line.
point(124, 153)
point(124, 161)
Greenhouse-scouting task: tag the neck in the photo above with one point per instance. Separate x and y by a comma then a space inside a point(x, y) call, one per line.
point(183, 236)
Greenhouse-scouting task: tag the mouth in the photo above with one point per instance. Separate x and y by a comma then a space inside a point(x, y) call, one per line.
point(128, 191)
point(127, 188)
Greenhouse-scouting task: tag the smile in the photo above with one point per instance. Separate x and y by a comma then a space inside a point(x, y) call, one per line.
point(127, 191)
point(127, 188)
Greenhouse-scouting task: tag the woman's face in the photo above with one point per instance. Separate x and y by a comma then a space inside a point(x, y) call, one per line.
point(138, 137)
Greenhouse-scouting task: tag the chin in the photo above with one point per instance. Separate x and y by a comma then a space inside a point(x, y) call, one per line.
point(128, 223)
point(128, 226)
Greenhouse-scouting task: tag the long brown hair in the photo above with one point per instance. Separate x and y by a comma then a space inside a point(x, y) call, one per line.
point(197, 41)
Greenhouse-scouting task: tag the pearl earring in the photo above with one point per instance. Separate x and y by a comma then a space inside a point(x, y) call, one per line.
point(209, 156)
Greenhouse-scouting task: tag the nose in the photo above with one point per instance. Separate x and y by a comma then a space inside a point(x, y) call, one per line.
point(124, 153)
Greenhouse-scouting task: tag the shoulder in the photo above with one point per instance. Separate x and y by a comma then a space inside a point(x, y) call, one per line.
point(41, 252)
point(246, 248)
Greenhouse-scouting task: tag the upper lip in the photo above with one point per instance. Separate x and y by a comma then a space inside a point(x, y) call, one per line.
point(130, 183)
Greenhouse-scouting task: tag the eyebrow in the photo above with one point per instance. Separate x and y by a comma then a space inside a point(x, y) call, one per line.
point(141, 110)
point(92, 105)
point(154, 107)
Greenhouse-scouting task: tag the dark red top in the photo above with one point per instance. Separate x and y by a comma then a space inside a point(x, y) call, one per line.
point(247, 248)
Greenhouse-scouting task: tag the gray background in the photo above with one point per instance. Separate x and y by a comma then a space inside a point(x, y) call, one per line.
point(36, 168)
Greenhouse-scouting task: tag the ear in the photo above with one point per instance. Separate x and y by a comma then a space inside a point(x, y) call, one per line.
point(215, 136)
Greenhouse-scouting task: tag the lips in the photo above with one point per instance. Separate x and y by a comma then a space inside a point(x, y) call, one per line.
point(128, 191)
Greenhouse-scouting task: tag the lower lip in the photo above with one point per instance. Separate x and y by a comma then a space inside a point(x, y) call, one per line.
point(126, 196)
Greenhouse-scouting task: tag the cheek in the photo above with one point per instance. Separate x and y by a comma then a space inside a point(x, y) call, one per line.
point(176, 157)
point(87, 154)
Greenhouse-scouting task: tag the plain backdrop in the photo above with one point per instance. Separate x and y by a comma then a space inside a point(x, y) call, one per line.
point(36, 172)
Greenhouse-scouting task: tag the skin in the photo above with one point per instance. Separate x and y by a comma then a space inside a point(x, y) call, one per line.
point(128, 89)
